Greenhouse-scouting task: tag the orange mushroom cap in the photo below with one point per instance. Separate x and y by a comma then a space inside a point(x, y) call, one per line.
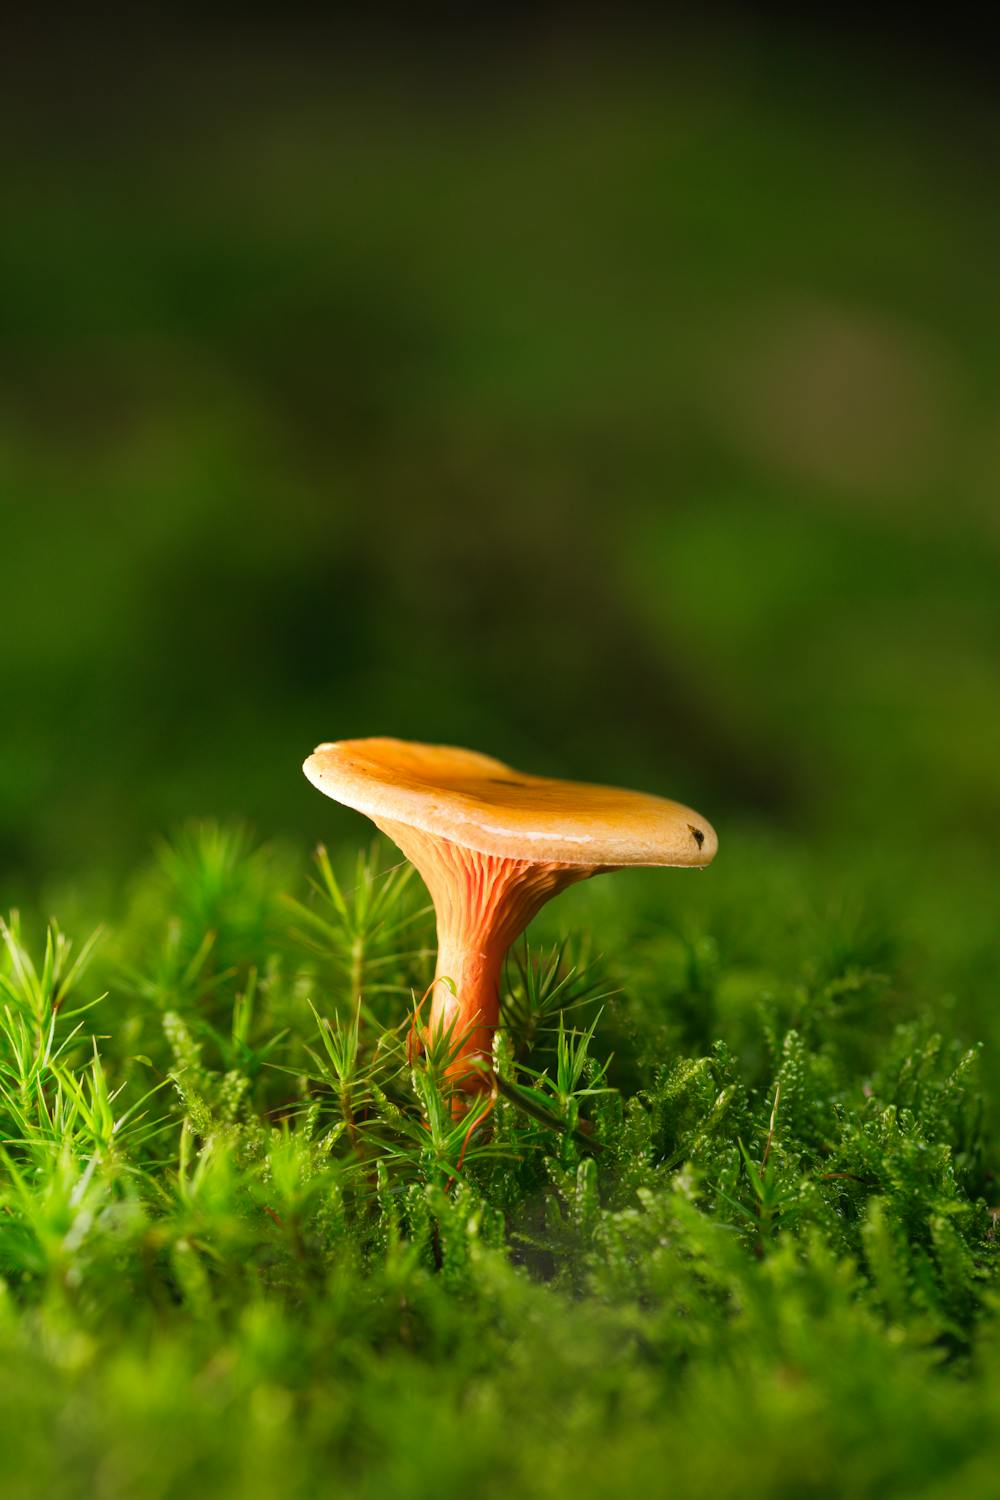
point(481, 804)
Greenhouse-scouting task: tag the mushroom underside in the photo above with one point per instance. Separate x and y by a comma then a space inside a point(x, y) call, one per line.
point(482, 902)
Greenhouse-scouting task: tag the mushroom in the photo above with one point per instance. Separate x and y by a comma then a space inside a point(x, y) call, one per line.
point(492, 846)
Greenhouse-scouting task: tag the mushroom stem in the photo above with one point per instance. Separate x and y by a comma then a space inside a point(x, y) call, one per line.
point(483, 902)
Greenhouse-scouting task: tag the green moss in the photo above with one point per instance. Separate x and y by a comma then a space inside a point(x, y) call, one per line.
point(245, 1249)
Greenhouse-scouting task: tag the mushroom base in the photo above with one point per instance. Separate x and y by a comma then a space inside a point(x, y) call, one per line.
point(483, 903)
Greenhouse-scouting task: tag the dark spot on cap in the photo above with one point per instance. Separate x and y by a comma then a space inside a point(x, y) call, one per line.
point(505, 781)
point(697, 835)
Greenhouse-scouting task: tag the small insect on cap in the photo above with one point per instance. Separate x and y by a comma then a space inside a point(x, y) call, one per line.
point(481, 804)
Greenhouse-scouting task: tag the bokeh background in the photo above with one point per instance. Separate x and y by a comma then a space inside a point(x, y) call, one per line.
point(627, 406)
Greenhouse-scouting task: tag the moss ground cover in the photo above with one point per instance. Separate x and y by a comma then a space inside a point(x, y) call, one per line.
point(729, 1222)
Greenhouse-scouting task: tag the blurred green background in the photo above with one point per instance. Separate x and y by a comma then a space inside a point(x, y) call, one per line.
point(631, 412)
